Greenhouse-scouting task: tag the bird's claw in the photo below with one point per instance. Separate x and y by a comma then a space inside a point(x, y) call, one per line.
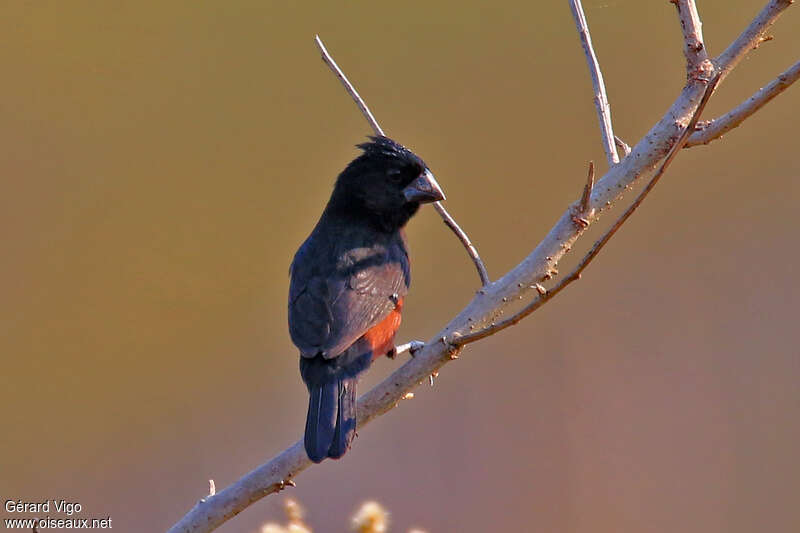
point(411, 347)
point(414, 347)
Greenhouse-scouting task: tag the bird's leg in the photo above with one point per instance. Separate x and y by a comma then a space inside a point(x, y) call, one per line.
point(411, 347)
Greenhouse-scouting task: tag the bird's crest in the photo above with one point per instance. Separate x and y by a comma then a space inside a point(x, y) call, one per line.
point(385, 147)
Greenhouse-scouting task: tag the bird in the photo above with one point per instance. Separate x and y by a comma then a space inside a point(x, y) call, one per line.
point(348, 281)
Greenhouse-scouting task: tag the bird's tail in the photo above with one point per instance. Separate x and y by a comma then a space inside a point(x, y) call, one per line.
point(331, 420)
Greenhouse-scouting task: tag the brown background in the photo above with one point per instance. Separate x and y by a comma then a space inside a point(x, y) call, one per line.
point(161, 162)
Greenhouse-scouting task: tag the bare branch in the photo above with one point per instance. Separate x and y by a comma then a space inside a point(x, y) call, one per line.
point(274, 475)
point(600, 97)
point(716, 128)
point(212, 511)
point(693, 46)
point(464, 238)
point(751, 37)
point(545, 295)
point(448, 220)
point(362, 106)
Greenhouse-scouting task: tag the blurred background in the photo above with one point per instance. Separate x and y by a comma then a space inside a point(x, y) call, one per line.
point(161, 162)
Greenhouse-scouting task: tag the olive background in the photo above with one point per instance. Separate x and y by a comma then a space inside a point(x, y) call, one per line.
point(160, 162)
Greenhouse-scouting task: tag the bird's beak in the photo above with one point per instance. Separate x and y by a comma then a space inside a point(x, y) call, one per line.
point(424, 189)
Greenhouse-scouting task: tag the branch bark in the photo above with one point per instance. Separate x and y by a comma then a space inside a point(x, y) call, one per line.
point(480, 317)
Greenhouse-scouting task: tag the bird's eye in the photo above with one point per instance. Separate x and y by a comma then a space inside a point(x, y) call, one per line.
point(395, 175)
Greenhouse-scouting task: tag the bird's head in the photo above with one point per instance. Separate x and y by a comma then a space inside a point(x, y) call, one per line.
point(387, 183)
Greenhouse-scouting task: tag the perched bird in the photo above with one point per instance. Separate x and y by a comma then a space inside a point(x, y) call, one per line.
point(348, 281)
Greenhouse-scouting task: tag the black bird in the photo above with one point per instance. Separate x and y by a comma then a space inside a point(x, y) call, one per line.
point(348, 281)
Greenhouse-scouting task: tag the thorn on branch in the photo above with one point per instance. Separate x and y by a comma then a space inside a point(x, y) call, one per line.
point(584, 212)
point(212, 490)
point(587, 191)
point(762, 39)
point(282, 484)
point(622, 146)
point(580, 222)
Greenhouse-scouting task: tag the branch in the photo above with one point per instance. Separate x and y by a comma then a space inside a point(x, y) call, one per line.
point(600, 97)
point(693, 46)
point(462, 236)
point(716, 128)
point(543, 294)
point(448, 220)
point(362, 106)
point(664, 140)
point(751, 37)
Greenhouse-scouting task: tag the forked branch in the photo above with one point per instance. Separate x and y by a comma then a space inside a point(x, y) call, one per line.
point(714, 129)
point(543, 294)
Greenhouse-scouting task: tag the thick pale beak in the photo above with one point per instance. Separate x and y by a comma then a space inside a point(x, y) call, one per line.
point(424, 189)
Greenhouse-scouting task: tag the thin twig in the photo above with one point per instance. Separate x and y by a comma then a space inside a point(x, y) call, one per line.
point(464, 238)
point(600, 97)
point(362, 106)
point(716, 128)
point(545, 295)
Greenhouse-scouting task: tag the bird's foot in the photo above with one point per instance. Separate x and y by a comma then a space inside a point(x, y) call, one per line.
point(411, 347)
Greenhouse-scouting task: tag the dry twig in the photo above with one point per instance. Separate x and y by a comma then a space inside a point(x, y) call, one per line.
point(600, 97)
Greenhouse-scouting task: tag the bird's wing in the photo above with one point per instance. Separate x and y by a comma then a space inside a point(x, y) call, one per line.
point(329, 311)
